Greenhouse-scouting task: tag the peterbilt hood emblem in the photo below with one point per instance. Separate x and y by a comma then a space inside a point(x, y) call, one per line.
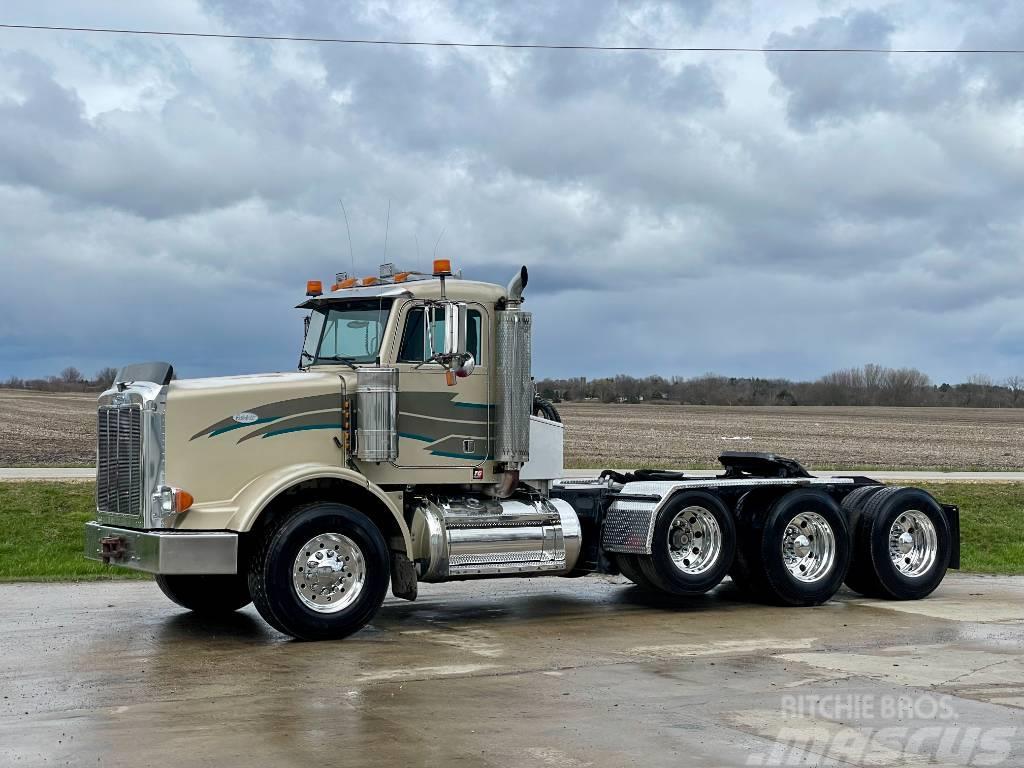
point(120, 399)
point(245, 417)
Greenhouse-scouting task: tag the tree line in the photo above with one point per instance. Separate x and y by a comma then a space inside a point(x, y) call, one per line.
point(69, 380)
point(868, 385)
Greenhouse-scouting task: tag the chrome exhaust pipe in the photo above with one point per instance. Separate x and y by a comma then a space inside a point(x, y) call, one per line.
point(517, 285)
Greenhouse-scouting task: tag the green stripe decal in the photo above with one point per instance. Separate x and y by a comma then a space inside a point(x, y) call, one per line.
point(222, 430)
point(301, 429)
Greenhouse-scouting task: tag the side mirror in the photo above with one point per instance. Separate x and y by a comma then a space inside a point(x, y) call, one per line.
point(456, 323)
point(453, 355)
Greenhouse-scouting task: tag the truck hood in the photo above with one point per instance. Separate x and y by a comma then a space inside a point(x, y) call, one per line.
point(222, 432)
point(233, 403)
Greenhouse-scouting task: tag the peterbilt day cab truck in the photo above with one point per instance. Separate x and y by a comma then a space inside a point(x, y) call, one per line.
point(409, 447)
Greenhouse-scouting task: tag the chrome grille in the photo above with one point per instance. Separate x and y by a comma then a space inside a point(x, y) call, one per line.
point(119, 461)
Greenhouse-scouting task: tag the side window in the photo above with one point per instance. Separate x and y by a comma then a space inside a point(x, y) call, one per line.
point(414, 347)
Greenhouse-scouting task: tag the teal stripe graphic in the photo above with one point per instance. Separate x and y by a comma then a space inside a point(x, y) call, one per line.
point(472, 405)
point(451, 455)
point(301, 429)
point(417, 437)
point(222, 430)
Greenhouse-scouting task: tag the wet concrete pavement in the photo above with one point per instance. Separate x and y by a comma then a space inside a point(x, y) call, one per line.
point(541, 672)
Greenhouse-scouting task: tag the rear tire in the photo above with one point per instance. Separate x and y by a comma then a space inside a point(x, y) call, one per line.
point(546, 409)
point(853, 505)
point(747, 530)
point(629, 565)
point(693, 545)
point(799, 552)
point(902, 545)
point(320, 573)
point(214, 595)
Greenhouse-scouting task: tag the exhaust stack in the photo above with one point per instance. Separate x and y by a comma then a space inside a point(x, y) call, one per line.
point(514, 385)
point(516, 287)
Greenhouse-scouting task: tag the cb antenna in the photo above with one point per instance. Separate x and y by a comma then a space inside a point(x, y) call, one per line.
point(387, 225)
point(443, 230)
point(351, 252)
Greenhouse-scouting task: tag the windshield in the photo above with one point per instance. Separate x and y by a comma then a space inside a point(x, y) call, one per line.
point(346, 332)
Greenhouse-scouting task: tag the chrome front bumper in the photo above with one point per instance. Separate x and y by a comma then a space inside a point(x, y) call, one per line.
point(167, 552)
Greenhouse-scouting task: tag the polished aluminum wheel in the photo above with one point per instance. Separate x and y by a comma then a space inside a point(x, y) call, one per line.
point(809, 547)
point(329, 573)
point(694, 540)
point(913, 543)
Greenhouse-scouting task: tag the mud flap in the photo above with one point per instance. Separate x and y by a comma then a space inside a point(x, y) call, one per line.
point(953, 516)
point(403, 576)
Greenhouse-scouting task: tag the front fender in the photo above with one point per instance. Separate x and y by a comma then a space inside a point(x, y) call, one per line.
point(255, 497)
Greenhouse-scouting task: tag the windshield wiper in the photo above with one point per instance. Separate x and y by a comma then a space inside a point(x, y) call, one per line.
point(334, 358)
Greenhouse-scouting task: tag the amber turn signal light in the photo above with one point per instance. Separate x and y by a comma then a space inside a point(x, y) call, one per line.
point(182, 500)
point(173, 501)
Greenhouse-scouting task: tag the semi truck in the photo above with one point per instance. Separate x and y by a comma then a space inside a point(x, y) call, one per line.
point(409, 446)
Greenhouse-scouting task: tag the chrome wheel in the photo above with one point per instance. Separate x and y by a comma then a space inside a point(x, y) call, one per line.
point(809, 547)
point(694, 540)
point(329, 573)
point(913, 543)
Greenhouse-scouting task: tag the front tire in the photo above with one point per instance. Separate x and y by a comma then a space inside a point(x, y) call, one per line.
point(207, 595)
point(321, 573)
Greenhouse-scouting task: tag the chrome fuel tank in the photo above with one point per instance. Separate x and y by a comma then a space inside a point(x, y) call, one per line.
point(467, 537)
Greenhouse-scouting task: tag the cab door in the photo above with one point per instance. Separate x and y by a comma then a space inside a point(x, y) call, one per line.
point(441, 425)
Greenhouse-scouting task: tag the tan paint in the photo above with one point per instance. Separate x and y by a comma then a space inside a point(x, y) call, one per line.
point(416, 466)
point(214, 469)
point(255, 497)
point(233, 480)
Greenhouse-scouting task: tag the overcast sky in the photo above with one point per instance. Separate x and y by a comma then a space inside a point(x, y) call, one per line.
point(769, 214)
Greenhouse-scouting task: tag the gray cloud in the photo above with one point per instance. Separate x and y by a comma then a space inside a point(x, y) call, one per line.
point(776, 215)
